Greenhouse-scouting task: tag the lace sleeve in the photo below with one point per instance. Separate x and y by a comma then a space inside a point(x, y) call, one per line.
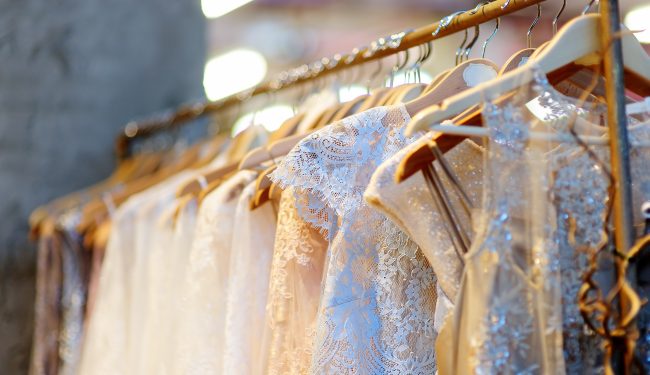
point(330, 169)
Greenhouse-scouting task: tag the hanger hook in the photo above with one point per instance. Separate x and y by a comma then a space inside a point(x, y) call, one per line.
point(485, 44)
point(429, 50)
point(505, 5)
point(588, 6)
point(529, 38)
point(477, 29)
point(461, 48)
point(374, 75)
point(477, 32)
point(557, 17)
point(399, 66)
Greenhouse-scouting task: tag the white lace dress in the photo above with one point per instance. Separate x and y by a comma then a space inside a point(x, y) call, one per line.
point(248, 285)
point(294, 291)
point(377, 307)
point(410, 205)
point(200, 345)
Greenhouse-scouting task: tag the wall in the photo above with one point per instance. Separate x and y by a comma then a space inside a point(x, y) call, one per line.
point(72, 72)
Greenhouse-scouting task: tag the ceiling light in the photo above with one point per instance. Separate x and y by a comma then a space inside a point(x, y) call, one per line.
point(233, 72)
point(637, 19)
point(217, 8)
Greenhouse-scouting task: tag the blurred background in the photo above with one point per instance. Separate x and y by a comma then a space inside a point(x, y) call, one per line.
point(74, 72)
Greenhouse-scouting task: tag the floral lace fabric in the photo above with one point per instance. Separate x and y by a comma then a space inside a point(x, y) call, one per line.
point(411, 206)
point(249, 268)
point(299, 256)
point(378, 300)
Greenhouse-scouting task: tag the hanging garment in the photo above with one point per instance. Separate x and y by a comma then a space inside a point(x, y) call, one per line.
point(299, 255)
point(377, 306)
point(168, 261)
point(411, 206)
point(113, 338)
point(248, 284)
point(76, 273)
point(203, 308)
point(47, 319)
point(506, 318)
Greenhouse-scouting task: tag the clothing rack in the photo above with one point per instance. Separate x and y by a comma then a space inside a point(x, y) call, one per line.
point(621, 172)
point(381, 48)
point(399, 42)
point(624, 235)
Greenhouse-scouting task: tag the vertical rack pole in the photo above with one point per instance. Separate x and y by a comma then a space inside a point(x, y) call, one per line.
point(620, 155)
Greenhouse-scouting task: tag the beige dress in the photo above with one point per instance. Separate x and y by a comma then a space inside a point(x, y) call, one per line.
point(294, 291)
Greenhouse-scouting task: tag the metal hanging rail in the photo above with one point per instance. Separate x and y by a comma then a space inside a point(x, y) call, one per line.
point(624, 234)
point(378, 49)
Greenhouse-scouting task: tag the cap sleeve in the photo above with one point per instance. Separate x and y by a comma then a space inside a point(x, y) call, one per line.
point(331, 168)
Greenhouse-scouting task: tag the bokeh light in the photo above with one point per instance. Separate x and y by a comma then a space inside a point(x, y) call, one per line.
point(233, 72)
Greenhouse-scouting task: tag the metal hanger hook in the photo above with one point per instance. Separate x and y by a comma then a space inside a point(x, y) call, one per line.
point(399, 66)
point(588, 6)
point(557, 17)
point(461, 48)
point(494, 32)
point(529, 38)
point(477, 33)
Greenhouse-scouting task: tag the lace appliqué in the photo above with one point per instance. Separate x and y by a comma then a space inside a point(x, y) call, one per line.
point(296, 274)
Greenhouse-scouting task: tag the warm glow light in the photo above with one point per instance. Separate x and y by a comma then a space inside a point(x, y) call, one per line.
point(639, 19)
point(348, 93)
point(217, 8)
point(233, 72)
point(270, 118)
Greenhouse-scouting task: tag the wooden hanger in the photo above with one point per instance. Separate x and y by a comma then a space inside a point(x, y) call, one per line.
point(96, 211)
point(516, 60)
point(474, 115)
point(374, 98)
point(406, 93)
point(434, 82)
point(288, 127)
point(203, 181)
point(235, 153)
point(575, 46)
point(261, 154)
point(349, 108)
point(127, 170)
point(262, 188)
point(455, 81)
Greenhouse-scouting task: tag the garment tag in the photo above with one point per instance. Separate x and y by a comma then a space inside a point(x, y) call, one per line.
point(475, 74)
